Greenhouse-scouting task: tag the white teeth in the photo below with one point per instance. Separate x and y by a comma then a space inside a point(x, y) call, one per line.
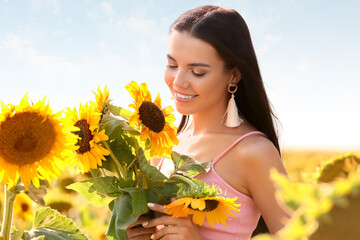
point(183, 96)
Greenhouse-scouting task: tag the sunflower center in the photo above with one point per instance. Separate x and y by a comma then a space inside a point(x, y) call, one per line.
point(24, 207)
point(26, 138)
point(152, 116)
point(85, 135)
point(25, 143)
point(210, 205)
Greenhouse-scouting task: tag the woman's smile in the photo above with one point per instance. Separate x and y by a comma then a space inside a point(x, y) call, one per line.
point(183, 97)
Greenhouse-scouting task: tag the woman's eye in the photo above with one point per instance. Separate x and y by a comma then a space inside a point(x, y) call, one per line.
point(171, 66)
point(198, 74)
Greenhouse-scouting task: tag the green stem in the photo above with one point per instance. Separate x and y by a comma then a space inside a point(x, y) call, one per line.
point(121, 171)
point(8, 213)
point(136, 146)
point(103, 172)
point(184, 179)
point(131, 164)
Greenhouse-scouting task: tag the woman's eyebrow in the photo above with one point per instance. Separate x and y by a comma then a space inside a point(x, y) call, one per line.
point(199, 65)
point(170, 57)
point(191, 64)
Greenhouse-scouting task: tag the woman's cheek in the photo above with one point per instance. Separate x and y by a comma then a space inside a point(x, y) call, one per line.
point(168, 77)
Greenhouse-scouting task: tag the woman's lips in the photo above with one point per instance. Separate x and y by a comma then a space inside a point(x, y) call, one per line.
point(183, 98)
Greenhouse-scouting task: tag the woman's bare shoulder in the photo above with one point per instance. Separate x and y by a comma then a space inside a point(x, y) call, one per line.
point(258, 154)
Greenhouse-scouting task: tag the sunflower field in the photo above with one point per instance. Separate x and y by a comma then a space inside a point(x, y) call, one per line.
point(85, 173)
point(324, 203)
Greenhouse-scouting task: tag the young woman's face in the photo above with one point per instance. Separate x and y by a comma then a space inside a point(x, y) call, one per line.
point(195, 75)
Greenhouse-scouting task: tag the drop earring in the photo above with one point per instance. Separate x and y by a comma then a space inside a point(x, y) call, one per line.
point(232, 117)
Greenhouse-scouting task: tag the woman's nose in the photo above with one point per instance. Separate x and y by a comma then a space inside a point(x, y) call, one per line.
point(180, 80)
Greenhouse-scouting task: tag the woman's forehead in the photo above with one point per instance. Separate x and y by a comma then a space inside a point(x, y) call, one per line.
point(182, 45)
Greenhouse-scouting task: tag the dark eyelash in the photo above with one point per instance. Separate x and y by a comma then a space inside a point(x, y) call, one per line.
point(198, 74)
point(171, 66)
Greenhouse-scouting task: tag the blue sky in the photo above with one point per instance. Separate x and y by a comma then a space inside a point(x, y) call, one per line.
point(308, 52)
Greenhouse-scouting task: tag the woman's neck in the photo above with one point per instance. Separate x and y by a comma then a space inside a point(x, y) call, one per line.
point(209, 122)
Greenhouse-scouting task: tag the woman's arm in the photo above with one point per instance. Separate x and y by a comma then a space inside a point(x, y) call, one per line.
point(259, 159)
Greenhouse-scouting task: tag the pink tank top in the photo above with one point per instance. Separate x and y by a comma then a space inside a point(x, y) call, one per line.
point(245, 221)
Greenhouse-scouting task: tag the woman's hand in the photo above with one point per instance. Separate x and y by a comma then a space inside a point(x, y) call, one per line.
point(136, 231)
point(174, 228)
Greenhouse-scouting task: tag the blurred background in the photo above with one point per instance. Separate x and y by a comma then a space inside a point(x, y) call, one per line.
point(308, 53)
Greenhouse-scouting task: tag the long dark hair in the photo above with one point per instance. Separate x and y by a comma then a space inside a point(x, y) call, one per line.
point(226, 31)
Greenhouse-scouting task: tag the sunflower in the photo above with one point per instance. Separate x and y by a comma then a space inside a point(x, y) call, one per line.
point(23, 207)
point(153, 122)
point(214, 208)
point(34, 143)
point(89, 153)
point(102, 100)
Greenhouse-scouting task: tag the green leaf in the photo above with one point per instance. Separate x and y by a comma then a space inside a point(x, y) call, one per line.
point(99, 192)
point(34, 238)
point(166, 191)
point(119, 111)
point(139, 198)
point(113, 126)
point(150, 171)
point(50, 224)
point(109, 164)
point(157, 181)
point(122, 150)
point(109, 186)
point(121, 218)
point(187, 164)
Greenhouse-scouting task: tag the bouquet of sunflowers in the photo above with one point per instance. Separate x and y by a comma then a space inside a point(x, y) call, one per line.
point(115, 145)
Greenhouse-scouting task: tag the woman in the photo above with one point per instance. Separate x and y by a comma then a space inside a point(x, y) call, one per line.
point(211, 61)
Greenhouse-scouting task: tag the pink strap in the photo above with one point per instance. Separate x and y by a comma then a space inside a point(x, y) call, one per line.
point(234, 144)
point(161, 163)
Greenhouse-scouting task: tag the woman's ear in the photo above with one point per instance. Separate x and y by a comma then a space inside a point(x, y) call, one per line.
point(235, 75)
